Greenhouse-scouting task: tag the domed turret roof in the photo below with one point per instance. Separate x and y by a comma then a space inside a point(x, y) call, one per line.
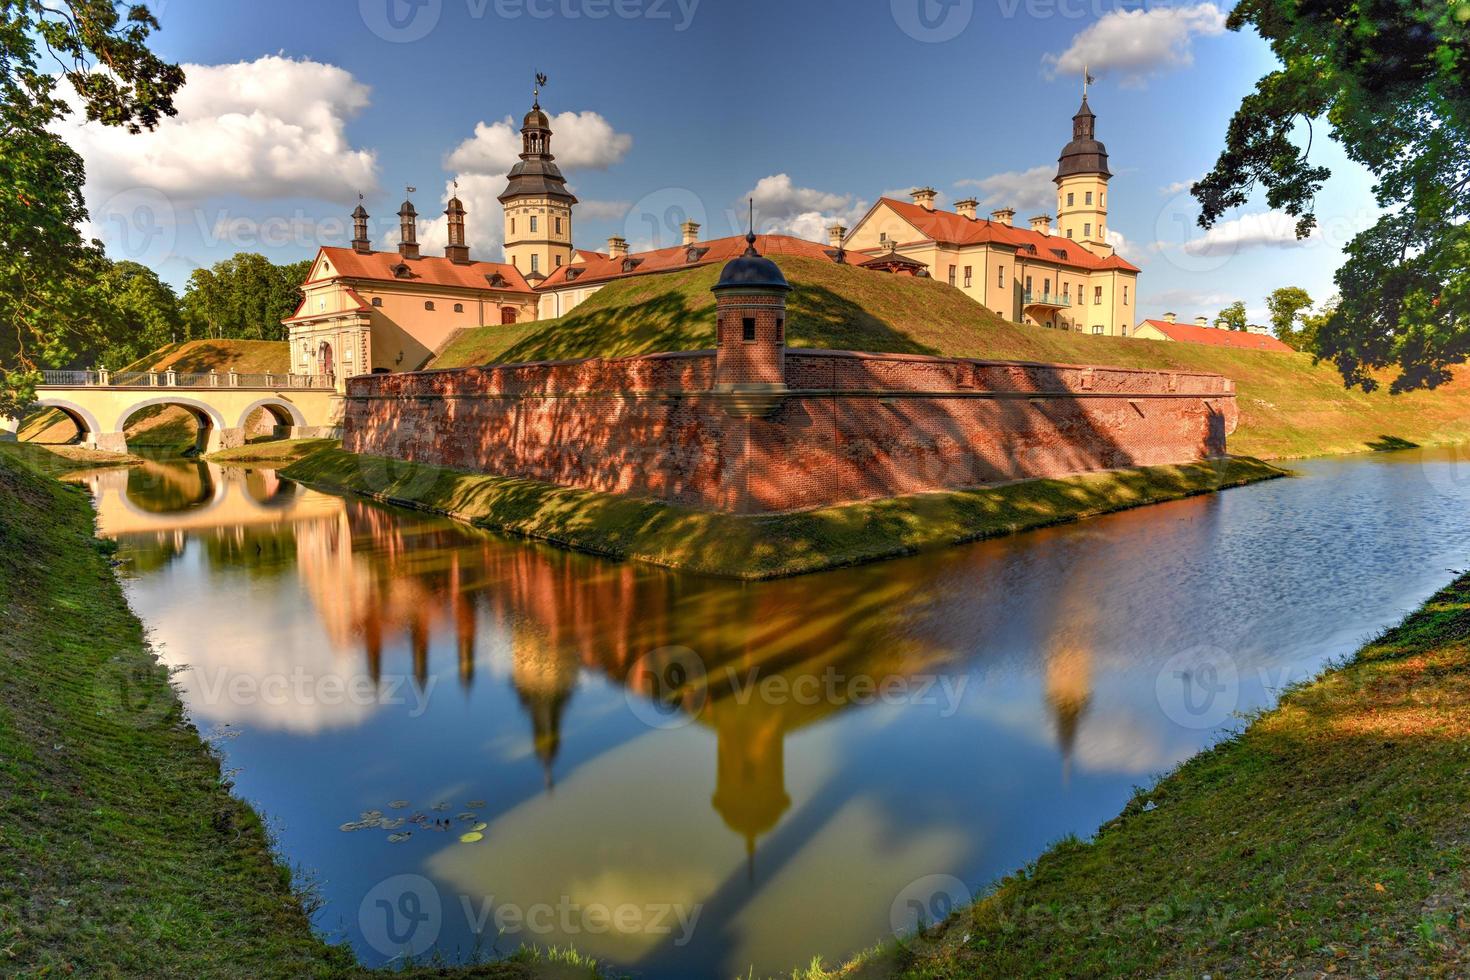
point(536, 119)
point(1084, 155)
point(751, 271)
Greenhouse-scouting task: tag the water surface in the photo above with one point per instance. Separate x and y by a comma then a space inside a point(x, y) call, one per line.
point(690, 777)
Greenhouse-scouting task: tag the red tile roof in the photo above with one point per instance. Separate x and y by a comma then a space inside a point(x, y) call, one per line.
point(602, 268)
point(1216, 337)
point(431, 270)
point(953, 229)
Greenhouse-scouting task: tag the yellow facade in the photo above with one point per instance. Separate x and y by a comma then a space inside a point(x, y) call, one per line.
point(538, 234)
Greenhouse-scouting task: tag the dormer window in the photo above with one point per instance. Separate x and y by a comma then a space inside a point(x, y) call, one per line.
point(573, 273)
point(694, 253)
point(402, 271)
point(496, 280)
point(630, 264)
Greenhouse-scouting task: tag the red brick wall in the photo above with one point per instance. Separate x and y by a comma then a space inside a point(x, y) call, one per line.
point(855, 426)
point(758, 361)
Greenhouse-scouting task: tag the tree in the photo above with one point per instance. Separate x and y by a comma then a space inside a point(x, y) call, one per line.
point(1287, 305)
point(46, 292)
point(1233, 316)
point(244, 297)
point(1391, 80)
point(146, 315)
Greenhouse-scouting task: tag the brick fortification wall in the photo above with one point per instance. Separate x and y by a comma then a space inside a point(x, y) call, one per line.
point(853, 426)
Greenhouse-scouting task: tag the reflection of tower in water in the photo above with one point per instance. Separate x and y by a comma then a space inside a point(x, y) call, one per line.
point(544, 676)
point(1068, 691)
point(750, 788)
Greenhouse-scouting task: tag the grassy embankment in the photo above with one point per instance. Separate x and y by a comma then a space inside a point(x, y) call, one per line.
point(122, 851)
point(753, 547)
point(1332, 836)
point(1289, 407)
point(161, 428)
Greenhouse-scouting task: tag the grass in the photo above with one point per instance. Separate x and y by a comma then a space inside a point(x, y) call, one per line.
point(278, 453)
point(55, 460)
point(1289, 406)
point(1331, 836)
point(122, 850)
point(757, 547)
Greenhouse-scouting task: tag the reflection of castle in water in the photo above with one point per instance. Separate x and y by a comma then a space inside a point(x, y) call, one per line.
point(377, 579)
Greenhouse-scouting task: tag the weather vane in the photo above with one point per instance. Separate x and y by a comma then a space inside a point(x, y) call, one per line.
point(412, 190)
point(1087, 80)
point(541, 81)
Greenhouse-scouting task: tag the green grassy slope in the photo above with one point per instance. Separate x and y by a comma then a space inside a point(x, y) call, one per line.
point(1289, 407)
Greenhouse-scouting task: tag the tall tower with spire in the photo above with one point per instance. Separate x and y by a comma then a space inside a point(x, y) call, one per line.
point(1082, 183)
point(538, 206)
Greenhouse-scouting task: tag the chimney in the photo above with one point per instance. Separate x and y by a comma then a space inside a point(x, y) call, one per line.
point(617, 247)
point(456, 251)
point(360, 243)
point(836, 235)
point(1170, 317)
point(1041, 224)
point(924, 197)
point(1201, 321)
point(408, 242)
point(966, 208)
point(691, 232)
point(1004, 216)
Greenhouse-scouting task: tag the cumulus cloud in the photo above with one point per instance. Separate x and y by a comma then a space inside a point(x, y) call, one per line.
point(1137, 43)
point(603, 210)
point(781, 207)
point(1028, 191)
point(1256, 230)
point(1121, 244)
point(269, 128)
point(580, 141)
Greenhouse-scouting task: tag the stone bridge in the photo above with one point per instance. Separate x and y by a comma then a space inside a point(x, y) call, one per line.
point(101, 402)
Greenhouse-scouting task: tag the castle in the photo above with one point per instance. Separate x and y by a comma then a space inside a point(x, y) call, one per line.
point(371, 312)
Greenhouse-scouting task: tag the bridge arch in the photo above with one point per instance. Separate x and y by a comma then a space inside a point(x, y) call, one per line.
point(282, 411)
point(84, 420)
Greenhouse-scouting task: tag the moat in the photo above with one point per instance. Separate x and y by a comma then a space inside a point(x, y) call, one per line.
point(853, 733)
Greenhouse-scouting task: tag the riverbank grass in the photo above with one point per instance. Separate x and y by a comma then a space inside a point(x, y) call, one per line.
point(758, 547)
point(1332, 836)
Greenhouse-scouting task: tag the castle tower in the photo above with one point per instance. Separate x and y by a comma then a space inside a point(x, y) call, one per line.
point(538, 206)
point(360, 242)
point(456, 251)
point(750, 333)
point(408, 232)
point(1082, 185)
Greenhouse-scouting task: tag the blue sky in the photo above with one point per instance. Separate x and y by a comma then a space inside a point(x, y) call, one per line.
point(686, 107)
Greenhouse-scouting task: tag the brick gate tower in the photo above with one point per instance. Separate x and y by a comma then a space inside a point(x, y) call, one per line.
point(750, 333)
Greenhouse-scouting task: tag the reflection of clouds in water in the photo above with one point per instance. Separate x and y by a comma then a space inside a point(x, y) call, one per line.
point(199, 627)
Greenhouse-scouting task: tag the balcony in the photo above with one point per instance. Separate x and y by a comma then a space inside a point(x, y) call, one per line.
point(1050, 301)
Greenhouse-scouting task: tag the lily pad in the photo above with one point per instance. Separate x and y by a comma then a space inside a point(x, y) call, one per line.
point(400, 838)
point(473, 837)
point(482, 825)
point(393, 824)
point(441, 807)
point(467, 817)
point(350, 826)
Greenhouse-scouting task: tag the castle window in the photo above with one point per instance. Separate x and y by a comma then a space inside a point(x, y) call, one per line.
point(377, 301)
point(1028, 285)
point(558, 261)
point(1087, 198)
point(428, 304)
point(780, 329)
point(459, 307)
point(968, 277)
point(558, 226)
point(1070, 199)
point(535, 259)
point(1097, 328)
point(1046, 287)
point(747, 329)
point(1096, 295)
point(1087, 230)
point(1069, 232)
point(952, 273)
point(512, 226)
point(1000, 276)
point(533, 224)
point(1125, 295)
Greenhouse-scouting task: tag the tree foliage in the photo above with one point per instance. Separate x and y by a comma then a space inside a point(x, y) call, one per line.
point(1233, 316)
point(1391, 81)
point(48, 284)
point(1287, 305)
point(244, 297)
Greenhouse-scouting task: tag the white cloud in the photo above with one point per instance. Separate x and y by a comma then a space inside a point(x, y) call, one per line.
point(803, 212)
point(1256, 230)
point(269, 128)
point(603, 210)
point(1187, 303)
point(1177, 187)
point(1028, 191)
point(1137, 43)
point(580, 141)
point(1121, 244)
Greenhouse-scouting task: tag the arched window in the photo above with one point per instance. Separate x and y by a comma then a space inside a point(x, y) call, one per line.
point(428, 304)
point(459, 307)
point(377, 301)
